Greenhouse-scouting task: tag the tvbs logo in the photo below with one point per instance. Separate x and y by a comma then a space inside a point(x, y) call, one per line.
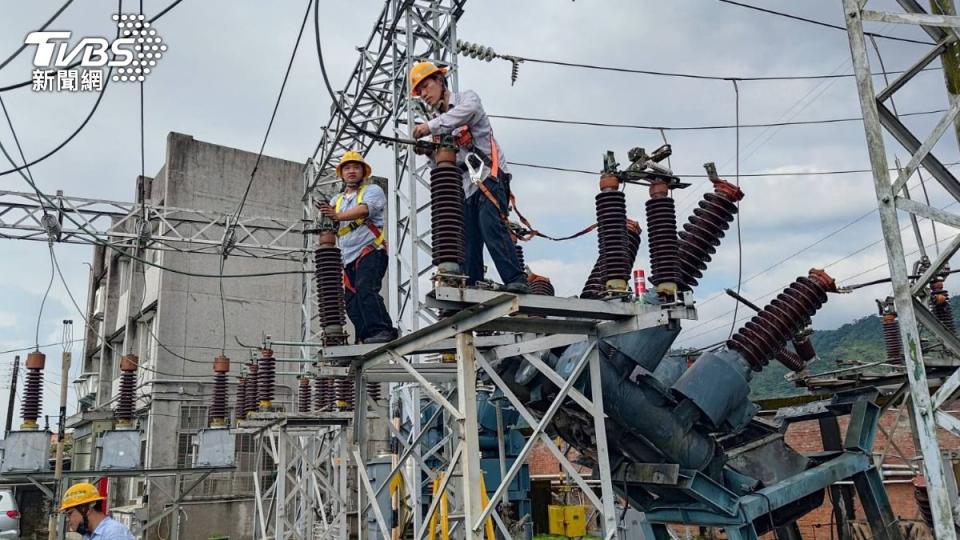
point(133, 53)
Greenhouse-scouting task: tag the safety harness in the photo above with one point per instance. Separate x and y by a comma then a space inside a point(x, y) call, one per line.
point(379, 239)
point(465, 140)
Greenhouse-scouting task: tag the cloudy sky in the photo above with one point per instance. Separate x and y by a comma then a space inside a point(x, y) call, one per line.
point(220, 77)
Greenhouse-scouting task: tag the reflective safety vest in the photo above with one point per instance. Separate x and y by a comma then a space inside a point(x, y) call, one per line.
point(379, 240)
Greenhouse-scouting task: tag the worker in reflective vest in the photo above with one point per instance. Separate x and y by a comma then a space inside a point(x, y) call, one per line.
point(487, 202)
point(358, 212)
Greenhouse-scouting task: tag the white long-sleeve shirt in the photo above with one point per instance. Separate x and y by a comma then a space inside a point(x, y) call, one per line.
point(466, 110)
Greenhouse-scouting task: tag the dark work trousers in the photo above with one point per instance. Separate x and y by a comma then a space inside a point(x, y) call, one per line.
point(482, 225)
point(365, 307)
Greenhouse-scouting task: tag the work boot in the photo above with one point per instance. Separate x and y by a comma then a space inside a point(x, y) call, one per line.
point(383, 336)
point(517, 287)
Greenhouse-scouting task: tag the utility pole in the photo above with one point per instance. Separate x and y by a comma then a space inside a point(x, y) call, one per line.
point(13, 395)
point(67, 342)
point(950, 59)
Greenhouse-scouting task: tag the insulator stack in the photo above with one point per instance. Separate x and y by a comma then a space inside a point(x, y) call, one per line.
point(128, 390)
point(611, 205)
point(250, 404)
point(702, 233)
point(790, 359)
point(662, 236)
point(329, 393)
point(540, 285)
point(32, 390)
point(940, 305)
point(343, 388)
point(923, 500)
point(519, 248)
point(804, 347)
point(266, 377)
point(633, 241)
point(304, 396)
point(329, 285)
point(892, 339)
point(594, 285)
point(446, 213)
point(319, 393)
point(768, 331)
point(239, 409)
point(218, 406)
point(374, 393)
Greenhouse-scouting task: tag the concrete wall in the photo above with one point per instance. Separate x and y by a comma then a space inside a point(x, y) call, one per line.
point(199, 175)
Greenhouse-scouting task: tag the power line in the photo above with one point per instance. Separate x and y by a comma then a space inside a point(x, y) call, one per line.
point(698, 76)
point(835, 172)
point(706, 127)
point(228, 232)
point(823, 24)
point(34, 347)
point(77, 63)
point(42, 28)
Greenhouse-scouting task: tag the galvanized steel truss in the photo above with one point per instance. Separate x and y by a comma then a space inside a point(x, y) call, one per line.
point(891, 196)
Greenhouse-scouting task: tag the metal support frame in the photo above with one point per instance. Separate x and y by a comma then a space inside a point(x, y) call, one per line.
point(305, 495)
point(460, 444)
point(182, 492)
point(911, 313)
point(718, 507)
point(89, 221)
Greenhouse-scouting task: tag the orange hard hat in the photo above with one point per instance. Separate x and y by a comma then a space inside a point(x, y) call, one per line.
point(422, 70)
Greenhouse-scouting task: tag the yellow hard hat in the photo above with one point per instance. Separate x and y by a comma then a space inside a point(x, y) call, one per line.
point(352, 156)
point(422, 70)
point(78, 494)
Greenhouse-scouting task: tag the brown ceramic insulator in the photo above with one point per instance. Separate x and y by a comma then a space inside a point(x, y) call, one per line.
point(662, 236)
point(611, 209)
point(923, 500)
point(304, 397)
point(36, 360)
point(940, 305)
point(789, 359)
point(446, 155)
point(374, 393)
point(32, 401)
point(767, 332)
point(319, 393)
point(593, 288)
point(127, 391)
point(330, 393)
point(804, 348)
point(446, 215)
point(892, 339)
point(218, 406)
point(266, 378)
point(221, 364)
point(329, 285)
point(519, 249)
point(540, 285)
point(594, 285)
point(250, 404)
point(343, 388)
point(238, 408)
point(633, 240)
point(702, 233)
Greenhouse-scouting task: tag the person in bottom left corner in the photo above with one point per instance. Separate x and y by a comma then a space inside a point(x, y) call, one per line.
point(83, 506)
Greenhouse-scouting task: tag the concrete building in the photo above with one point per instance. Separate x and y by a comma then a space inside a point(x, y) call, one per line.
point(173, 322)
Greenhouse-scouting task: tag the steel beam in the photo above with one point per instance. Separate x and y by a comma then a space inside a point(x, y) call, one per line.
point(876, 116)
